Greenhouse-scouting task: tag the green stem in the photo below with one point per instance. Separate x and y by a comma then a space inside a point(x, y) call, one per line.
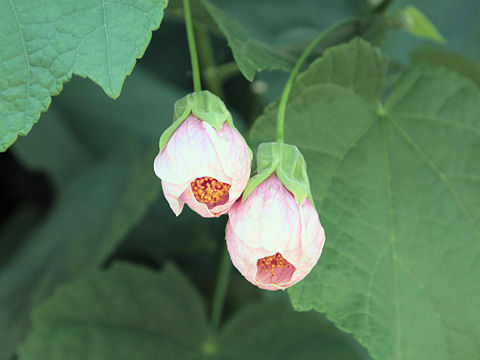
point(224, 72)
point(197, 86)
point(220, 290)
point(288, 86)
point(207, 60)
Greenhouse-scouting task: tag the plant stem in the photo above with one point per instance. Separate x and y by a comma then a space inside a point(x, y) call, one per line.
point(288, 86)
point(224, 71)
point(207, 60)
point(220, 290)
point(197, 86)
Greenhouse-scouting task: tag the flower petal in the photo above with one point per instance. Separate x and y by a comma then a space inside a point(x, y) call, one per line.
point(189, 154)
point(198, 207)
point(234, 156)
point(172, 193)
point(269, 218)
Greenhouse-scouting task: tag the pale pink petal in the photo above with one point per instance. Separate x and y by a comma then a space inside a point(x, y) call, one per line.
point(314, 235)
point(269, 218)
point(234, 156)
point(189, 154)
point(172, 193)
point(313, 239)
point(270, 221)
point(198, 207)
point(244, 258)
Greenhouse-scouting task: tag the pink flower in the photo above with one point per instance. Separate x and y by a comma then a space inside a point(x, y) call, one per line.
point(273, 241)
point(204, 167)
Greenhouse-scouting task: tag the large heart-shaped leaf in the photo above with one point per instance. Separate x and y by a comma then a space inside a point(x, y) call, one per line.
point(397, 187)
point(125, 313)
point(44, 42)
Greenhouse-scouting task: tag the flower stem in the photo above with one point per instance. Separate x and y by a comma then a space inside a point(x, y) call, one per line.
point(220, 290)
point(207, 60)
point(197, 86)
point(288, 86)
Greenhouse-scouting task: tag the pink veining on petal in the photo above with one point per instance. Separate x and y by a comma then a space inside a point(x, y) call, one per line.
point(235, 159)
point(189, 154)
point(269, 218)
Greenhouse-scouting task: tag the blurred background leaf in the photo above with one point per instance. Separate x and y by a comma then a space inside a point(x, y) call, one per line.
point(456, 21)
point(273, 328)
point(104, 185)
point(124, 313)
point(93, 212)
point(129, 312)
point(441, 57)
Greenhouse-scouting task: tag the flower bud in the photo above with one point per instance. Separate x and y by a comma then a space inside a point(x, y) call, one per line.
point(274, 237)
point(203, 160)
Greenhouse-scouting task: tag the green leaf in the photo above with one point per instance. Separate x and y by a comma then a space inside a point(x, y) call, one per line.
point(93, 213)
point(450, 60)
point(140, 114)
point(45, 42)
point(251, 55)
point(415, 22)
point(53, 148)
point(396, 187)
point(124, 313)
point(459, 25)
point(129, 312)
point(272, 330)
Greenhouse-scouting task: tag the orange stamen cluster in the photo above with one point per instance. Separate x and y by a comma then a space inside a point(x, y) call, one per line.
point(270, 263)
point(209, 191)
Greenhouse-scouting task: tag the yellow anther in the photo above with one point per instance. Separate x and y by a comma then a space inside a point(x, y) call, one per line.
point(210, 191)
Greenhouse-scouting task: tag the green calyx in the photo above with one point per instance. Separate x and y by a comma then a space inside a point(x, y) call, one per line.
point(202, 104)
point(288, 164)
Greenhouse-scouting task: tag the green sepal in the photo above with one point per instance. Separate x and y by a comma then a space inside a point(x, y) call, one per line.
point(202, 104)
point(289, 165)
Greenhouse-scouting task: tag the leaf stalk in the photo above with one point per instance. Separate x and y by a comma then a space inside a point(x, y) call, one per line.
point(220, 290)
point(282, 106)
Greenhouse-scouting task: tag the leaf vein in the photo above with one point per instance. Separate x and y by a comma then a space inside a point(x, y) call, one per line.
point(27, 98)
point(342, 157)
point(436, 170)
point(105, 25)
point(397, 334)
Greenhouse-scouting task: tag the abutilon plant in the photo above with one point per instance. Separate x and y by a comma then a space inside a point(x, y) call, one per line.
point(392, 150)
